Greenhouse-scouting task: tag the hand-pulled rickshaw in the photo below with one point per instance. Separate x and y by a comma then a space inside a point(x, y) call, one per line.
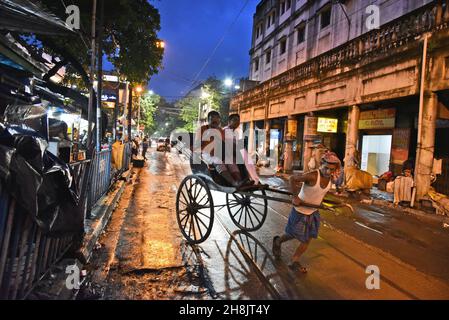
point(195, 206)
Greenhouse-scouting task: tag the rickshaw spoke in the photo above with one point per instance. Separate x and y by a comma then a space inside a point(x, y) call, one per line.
point(234, 205)
point(185, 224)
point(198, 218)
point(255, 216)
point(184, 196)
point(199, 228)
point(249, 215)
point(183, 218)
point(192, 226)
point(205, 195)
point(261, 213)
point(241, 208)
point(197, 192)
point(202, 213)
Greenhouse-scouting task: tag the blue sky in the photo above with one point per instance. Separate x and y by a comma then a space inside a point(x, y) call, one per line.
point(191, 29)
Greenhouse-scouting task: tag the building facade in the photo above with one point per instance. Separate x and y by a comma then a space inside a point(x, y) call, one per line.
point(287, 33)
point(331, 80)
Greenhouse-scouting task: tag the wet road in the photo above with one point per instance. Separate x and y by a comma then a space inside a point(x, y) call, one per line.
point(143, 254)
point(411, 254)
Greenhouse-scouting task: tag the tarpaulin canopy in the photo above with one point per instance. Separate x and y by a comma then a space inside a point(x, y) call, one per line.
point(28, 17)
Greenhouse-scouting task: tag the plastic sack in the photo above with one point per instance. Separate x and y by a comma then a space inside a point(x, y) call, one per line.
point(356, 179)
point(42, 185)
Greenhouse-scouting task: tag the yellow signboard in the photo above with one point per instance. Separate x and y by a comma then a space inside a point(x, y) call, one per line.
point(377, 119)
point(327, 125)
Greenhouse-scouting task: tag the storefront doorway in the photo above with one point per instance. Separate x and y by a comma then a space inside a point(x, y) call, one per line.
point(376, 153)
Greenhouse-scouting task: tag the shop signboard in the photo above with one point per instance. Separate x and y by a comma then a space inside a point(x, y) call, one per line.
point(377, 119)
point(328, 125)
point(292, 130)
point(310, 128)
point(400, 145)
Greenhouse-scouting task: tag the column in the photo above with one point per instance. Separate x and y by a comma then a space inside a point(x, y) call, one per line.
point(290, 133)
point(426, 144)
point(310, 132)
point(352, 135)
point(251, 137)
point(267, 137)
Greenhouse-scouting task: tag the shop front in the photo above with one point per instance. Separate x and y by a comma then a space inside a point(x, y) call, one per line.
point(387, 139)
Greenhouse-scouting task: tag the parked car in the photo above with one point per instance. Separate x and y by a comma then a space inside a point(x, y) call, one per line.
point(162, 145)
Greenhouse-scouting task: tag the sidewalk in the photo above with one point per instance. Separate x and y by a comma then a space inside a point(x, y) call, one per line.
point(141, 255)
point(376, 198)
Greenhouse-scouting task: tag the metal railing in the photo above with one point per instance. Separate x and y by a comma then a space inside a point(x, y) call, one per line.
point(126, 156)
point(99, 176)
point(27, 254)
point(394, 34)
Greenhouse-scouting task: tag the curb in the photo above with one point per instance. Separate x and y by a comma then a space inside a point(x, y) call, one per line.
point(416, 212)
point(103, 211)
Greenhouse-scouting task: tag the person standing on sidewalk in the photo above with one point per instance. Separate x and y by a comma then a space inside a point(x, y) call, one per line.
point(304, 220)
point(145, 145)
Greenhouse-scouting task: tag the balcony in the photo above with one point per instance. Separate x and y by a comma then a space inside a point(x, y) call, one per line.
point(376, 43)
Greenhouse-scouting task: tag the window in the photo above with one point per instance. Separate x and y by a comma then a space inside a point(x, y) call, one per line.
point(258, 31)
point(268, 57)
point(325, 17)
point(283, 46)
point(301, 34)
point(284, 6)
point(256, 64)
point(270, 19)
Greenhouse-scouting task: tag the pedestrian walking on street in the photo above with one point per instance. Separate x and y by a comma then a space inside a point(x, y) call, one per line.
point(145, 145)
point(304, 220)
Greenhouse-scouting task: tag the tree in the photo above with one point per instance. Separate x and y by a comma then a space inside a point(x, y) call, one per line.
point(208, 93)
point(148, 107)
point(129, 40)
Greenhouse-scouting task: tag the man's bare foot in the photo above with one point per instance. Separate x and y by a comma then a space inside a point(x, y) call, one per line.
point(296, 266)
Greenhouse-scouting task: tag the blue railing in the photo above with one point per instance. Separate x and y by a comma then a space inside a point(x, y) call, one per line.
point(99, 176)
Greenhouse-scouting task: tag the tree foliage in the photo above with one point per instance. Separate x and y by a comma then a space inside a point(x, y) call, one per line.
point(130, 40)
point(215, 99)
point(148, 108)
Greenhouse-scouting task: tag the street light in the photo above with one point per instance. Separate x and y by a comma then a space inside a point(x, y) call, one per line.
point(228, 82)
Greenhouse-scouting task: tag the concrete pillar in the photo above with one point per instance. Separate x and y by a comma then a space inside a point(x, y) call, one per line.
point(352, 134)
point(426, 144)
point(310, 130)
point(251, 137)
point(289, 137)
point(267, 137)
point(288, 157)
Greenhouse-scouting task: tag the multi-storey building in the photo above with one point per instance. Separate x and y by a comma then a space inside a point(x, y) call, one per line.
point(287, 33)
point(348, 74)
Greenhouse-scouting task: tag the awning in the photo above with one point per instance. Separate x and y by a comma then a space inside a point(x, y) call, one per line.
point(27, 17)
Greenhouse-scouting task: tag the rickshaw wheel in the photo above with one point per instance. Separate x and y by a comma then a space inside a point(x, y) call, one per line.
point(247, 212)
point(194, 209)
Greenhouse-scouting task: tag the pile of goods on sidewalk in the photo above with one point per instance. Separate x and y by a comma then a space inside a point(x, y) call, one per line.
point(439, 201)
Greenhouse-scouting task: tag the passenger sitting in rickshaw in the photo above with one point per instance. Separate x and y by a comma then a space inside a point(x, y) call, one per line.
point(208, 142)
point(240, 155)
